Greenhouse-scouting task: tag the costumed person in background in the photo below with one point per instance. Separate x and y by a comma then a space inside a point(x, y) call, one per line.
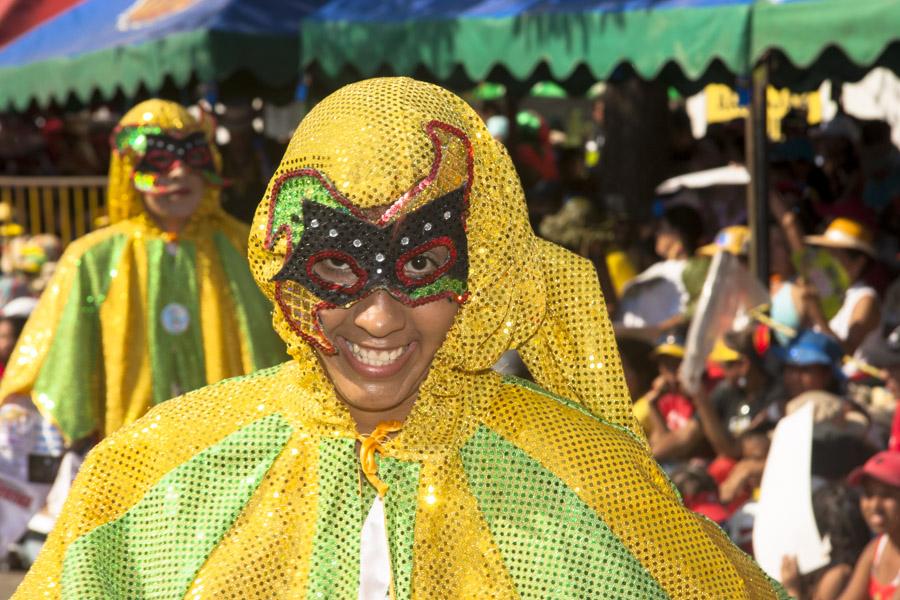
point(159, 303)
point(387, 459)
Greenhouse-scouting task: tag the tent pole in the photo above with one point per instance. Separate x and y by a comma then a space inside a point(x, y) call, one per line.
point(758, 165)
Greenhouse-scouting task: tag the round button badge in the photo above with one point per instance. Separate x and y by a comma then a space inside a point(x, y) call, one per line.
point(175, 318)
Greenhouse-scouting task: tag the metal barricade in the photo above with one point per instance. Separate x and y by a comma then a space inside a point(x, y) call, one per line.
point(65, 206)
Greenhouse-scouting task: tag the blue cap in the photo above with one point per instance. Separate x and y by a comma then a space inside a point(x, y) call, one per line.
point(812, 348)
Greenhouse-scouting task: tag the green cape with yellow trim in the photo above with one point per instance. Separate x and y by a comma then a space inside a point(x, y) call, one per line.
point(132, 317)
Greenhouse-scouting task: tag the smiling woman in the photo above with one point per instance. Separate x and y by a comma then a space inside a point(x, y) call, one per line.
point(387, 459)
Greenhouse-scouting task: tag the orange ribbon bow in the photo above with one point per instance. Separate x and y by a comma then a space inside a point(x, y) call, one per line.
point(370, 445)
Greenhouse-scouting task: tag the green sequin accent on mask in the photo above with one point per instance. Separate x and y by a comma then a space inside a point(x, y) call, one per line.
point(442, 284)
point(156, 548)
point(578, 557)
point(288, 210)
point(134, 138)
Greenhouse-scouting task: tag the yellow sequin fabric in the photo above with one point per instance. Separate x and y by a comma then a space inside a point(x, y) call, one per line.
point(493, 488)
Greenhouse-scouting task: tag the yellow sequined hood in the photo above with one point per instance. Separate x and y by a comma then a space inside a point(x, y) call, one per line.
point(523, 292)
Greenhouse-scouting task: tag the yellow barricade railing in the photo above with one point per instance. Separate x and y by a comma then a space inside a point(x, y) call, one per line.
point(65, 206)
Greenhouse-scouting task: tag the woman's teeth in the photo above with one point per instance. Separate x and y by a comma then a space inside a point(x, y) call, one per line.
point(375, 358)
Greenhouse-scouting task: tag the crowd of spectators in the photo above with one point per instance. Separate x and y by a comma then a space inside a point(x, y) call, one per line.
point(824, 332)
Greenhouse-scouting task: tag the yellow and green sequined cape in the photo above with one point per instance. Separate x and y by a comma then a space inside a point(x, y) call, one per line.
point(98, 351)
point(131, 318)
point(251, 489)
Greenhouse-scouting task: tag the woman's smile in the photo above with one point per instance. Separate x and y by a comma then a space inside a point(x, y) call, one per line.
point(375, 362)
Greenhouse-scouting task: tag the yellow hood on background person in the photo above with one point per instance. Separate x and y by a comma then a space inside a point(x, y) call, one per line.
point(131, 318)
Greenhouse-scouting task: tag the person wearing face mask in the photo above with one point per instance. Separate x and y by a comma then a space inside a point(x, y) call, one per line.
point(159, 303)
point(387, 459)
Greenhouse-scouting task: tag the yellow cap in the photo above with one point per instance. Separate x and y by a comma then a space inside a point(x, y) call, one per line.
point(670, 344)
point(722, 353)
point(734, 240)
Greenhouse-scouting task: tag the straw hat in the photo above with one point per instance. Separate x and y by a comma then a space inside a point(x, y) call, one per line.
point(846, 234)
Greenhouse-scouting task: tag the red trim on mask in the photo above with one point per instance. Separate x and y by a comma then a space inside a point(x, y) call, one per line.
point(407, 256)
point(361, 275)
point(417, 189)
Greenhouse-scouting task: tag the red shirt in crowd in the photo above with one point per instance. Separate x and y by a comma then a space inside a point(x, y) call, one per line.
point(676, 409)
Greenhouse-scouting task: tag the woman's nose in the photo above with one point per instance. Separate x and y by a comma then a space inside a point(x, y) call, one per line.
point(380, 314)
point(178, 168)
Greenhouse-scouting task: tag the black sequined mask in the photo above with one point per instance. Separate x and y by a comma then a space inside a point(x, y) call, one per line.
point(420, 257)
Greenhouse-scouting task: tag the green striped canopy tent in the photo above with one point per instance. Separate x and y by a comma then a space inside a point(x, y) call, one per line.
point(684, 43)
point(96, 49)
point(575, 42)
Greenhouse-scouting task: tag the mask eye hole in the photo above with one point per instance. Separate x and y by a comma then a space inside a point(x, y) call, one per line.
point(426, 263)
point(198, 157)
point(160, 160)
point(335, 271)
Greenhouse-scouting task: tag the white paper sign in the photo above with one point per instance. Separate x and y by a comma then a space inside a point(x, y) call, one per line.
point(785, 523)
point(18, 501)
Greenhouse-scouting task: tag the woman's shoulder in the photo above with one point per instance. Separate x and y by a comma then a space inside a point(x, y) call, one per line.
point(524, 410)
point(552, 438)
point(861, 290)
point(186, 425)
point(96, 241)
point(556, 439)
